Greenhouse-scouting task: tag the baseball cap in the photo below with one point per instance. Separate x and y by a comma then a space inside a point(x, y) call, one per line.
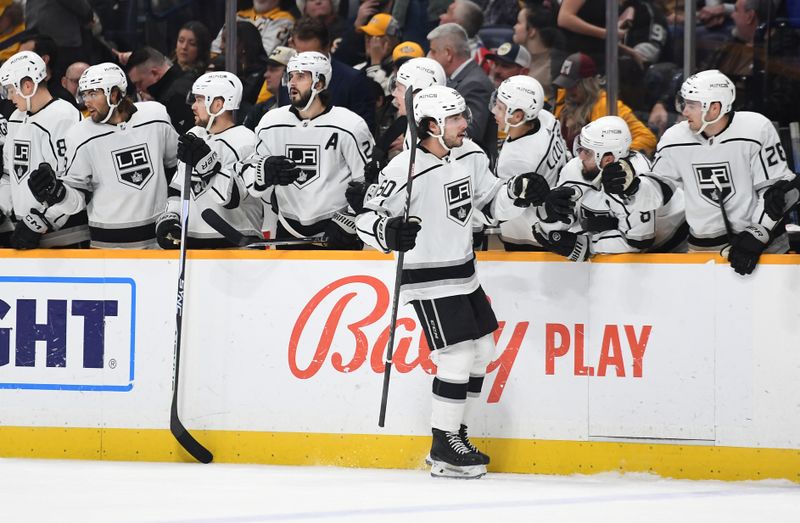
point(281, 55)
point(382, 24)
point(511, 53)
point(576, 67)
point(406, 51)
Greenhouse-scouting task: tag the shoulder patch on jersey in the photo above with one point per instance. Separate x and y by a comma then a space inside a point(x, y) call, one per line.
point(22, 159)
point(458, 195)
point(306, 157)
point(709, 176)
point(133, 166)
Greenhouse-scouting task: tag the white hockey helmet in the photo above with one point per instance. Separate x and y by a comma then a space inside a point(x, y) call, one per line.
point(707, 87)
point(520, 93)
point(438, 102)
point(421, 73)
point(609, 134)
point(104, 76)
point(315, 63)
point(25, 64)
point(219, 84)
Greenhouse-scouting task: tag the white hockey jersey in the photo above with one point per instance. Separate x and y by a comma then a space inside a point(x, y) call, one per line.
point(330, 149)
point(744, 159)
point(33, 139)
point(445, 194)
point(117, 173)
point(542, 151)
point(6, 225)
point(660, 230)
point(225, 193)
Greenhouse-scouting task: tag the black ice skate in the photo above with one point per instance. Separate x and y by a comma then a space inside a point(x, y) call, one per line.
point(465, 439)
point(450, 457)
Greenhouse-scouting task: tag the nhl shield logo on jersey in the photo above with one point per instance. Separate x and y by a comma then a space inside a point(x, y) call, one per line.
point(458, 195)
point(133, 165)
point(711, 176)
point(22, 158)
point(306, 157)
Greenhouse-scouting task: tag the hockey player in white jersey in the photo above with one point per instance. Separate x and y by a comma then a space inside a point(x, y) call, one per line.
point(210, 150)
point(533, 143)
point(452, 180)
point(306, 154)
point(36, 140)
point(725, 161)
point(601, 223)
point(118, 163)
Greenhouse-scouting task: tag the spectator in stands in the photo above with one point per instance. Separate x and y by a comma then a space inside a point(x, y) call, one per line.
point(270, 90)
point(64, 23)
point(417, 17)
point(645, 38)
point(251, 62)
point(350, 48)
point(405, 51)
point(581, 99)
point(583, 23)
point(157, 78)
point(12, 23)
point(449, 47)
point(193, 48)
point(509, 60)
point(70, 81)
point(327, 11)
point(535, 31)
point(499, 12)
point(273, 24)
point(468, 15)
point(381, 35)
point(348, 88)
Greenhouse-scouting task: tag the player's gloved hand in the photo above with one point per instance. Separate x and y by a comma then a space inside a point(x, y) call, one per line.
point(398, 234)
point(619, 178)
point(275, 170)
point(198, 156)
point(371, 171)
point(775, 198)
point(341, 233)
point(168, 230)
point(573, 246)
point(559, 205)
point(45, 185)
point(527, 189)
point(28, 231)
point(746, 248)
point(355, 193)
point(599, 223)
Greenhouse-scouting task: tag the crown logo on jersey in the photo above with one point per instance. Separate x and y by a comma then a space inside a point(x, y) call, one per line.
point(22, 159)
point(713, 177)
point(459, 201)
point(306, 157)
point(133, 166)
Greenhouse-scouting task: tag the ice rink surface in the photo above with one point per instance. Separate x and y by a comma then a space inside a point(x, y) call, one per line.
point(45, 491)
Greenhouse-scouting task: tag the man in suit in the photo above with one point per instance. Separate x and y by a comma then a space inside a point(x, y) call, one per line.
point(449, 46)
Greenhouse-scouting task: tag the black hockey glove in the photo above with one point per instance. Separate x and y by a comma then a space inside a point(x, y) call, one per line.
point(527, 189)
point(196, 153)
point(599, 222)
point(45, 185)
point(24, 238)
point(168, 230)
point(355, 193)
point(341, 233)
point(775, 203)
point(573, 246)
point(746, 248)
point(371, 171)
point(399, 235)
point(275, 170)
point(620, 178)
point(559, 205)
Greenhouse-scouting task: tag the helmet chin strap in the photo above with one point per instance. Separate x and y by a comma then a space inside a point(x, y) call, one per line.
point(28, 98)
point(111, 108)
point(706, 123)
point(212, 117)
point(509, 125)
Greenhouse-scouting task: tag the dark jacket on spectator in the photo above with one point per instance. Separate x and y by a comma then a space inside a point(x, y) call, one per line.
point(476, 88)
point(171, 91)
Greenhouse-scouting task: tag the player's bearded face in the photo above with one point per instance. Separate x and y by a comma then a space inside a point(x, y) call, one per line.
point(96, 104)
point(299, 88)
point(587, 162)
point(199, 111)
point(455, 130)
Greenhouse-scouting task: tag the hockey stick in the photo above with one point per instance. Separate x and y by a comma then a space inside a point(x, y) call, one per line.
point(728, 228)
point(398, 275)
point(187, 441)
point(218, 223)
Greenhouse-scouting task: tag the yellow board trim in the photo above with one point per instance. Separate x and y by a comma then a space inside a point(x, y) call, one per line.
point(404, 452)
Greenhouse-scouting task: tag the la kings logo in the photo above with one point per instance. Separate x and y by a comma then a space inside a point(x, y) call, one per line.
point(306, 157)
point(710, 176)
point(458, 196)
point(133, 165)
point(22, 159)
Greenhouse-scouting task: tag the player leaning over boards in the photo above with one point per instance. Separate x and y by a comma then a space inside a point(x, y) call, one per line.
point(36, 137)
point(601, 223)
point(451, 181)
point(716, 151)
point(306, 154)
point(210, 149)
point(119, 160)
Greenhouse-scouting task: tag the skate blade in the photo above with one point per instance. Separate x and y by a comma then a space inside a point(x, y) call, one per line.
point(440, 469)
point(428, 460)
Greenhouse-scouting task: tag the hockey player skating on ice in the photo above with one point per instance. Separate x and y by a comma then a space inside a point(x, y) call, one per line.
point(119, 160)
point(533, 143)
point(601, 223)
point(211, 149)
point(36, 141)
point(306, 154)
point(452, 181)
point(725, 161)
